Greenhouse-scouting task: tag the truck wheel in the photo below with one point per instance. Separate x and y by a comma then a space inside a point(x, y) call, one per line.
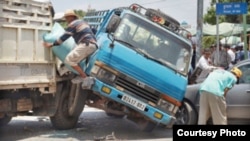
point(5, 120)
point(62, 120)
point(187, 114)
point(77, 100)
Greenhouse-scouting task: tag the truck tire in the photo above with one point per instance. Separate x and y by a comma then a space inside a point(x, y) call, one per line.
point(187, 114)
point(5, 120)
point(77, 100)
point(62, 120)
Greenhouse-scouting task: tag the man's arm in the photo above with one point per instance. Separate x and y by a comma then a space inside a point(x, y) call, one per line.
point(206, 66)
point(68, 32)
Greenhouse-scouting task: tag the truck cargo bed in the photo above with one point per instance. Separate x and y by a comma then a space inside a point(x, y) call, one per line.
point(24, 62)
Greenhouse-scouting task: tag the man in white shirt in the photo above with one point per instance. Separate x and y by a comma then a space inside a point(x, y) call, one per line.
point(231, 53)
point(205, 64)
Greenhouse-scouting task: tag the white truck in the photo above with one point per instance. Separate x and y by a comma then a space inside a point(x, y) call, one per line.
point(31, 80)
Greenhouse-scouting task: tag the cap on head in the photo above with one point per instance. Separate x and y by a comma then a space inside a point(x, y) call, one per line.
point(70, 12)
point(236, 71)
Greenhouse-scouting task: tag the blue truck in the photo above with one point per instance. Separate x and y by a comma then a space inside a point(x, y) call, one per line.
point(140, 69)
point(141, 66)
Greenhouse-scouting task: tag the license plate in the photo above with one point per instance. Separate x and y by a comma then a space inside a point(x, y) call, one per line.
point(134, 102)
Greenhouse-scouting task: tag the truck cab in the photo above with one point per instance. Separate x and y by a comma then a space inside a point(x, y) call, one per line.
point(141, 65)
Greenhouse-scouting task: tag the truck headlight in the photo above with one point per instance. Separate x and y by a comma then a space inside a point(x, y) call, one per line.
point(103, 74)
point(166, 105)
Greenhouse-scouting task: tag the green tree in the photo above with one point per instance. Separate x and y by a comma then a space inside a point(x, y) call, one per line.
point(210, 18)
point(80, 13)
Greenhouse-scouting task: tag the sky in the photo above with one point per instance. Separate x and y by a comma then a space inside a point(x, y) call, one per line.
point(181, 10)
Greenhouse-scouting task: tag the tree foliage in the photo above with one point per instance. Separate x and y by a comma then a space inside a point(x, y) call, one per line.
point(210, 18)
point(80, 13)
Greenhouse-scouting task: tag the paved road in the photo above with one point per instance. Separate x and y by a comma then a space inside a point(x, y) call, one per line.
point(93, 125)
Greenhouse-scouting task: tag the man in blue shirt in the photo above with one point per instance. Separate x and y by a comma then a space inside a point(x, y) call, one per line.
point(84, 38)
point(213, 95)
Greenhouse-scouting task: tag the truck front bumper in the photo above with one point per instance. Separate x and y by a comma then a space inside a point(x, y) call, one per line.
point(149, 111)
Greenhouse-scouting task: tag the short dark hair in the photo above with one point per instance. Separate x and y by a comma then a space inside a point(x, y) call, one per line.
point(212, 46)
point(206, 50)
point(227, 46)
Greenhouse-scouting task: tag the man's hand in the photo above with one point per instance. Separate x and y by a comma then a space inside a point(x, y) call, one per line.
point(47, 45)
point(225, 91)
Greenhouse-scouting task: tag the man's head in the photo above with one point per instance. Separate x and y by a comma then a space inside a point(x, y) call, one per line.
point(220, 46)
point(70, 15)
point(189, 36)
point(207, 53)
point(213, 47)
point(227, 47)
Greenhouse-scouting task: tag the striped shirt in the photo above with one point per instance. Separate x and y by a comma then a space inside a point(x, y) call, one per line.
point(79, 30)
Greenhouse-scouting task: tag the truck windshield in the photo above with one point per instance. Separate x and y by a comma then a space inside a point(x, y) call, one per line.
point(156, 41)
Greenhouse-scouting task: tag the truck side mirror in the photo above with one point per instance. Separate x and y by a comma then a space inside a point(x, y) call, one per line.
point(113, 24)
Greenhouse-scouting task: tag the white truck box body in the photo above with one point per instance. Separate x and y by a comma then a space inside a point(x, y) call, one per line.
point(24, 62)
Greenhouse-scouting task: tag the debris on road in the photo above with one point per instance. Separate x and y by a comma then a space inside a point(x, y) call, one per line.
point(81, 129)
point(107, 138)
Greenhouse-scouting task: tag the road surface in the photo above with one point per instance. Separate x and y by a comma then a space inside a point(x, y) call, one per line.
point(93, 125)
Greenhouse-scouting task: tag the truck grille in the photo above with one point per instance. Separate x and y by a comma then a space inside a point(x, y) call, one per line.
point(130, 86)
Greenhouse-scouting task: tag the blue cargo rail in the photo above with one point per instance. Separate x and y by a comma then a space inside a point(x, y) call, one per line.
point(96, 18)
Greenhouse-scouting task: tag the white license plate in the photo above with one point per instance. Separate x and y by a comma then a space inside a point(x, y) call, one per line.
point(134, 102)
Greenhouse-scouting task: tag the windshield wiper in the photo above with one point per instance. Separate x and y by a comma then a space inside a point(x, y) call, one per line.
point(122, 41)
point(166, 63)
point(138, 50)
point(160, 61)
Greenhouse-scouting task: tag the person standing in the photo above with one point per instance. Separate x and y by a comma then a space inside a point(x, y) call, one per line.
point(240, 53)
point(224, 59)
point(84, 38)
point(213, 95)
point(203, 67)
point(231, 54)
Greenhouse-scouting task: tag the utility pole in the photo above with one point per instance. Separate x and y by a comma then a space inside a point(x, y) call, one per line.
point(199, 32)
point(245, 35)
point(217, 38)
